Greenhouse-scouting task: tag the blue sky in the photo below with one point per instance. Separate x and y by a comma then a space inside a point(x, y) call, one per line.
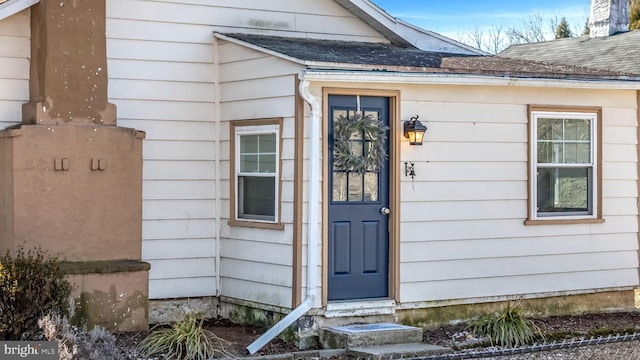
point(455, 17)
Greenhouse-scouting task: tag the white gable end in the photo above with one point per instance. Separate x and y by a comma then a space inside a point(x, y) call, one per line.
point(402, 33)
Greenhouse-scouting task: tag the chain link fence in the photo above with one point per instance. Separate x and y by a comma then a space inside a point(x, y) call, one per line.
point(620, 347)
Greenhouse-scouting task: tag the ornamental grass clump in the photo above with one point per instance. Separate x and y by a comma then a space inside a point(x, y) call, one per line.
point(509, 327)
point(184, 340)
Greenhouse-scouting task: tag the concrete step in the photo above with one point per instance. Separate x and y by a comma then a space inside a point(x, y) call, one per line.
point(397, 351)
point(352, 336)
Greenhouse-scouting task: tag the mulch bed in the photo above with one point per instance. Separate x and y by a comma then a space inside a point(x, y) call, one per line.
point(555, 328)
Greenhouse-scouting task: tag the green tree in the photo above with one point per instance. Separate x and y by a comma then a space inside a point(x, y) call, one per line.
point(562, 30)
point(634, 15)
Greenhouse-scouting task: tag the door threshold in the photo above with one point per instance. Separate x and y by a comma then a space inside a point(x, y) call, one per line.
point(361, 307)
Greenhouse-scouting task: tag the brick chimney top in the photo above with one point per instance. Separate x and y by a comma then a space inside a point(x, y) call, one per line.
point(608, 17)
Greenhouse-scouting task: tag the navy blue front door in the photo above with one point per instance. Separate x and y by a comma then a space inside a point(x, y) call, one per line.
point(358, 234)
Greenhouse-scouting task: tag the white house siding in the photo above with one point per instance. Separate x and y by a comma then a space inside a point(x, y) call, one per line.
point(15, 34)
point(462, 234)
point(257, 263)
point(161, 77)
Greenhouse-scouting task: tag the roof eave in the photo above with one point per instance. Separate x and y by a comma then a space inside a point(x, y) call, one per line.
point(450, 78)
point(12, 7)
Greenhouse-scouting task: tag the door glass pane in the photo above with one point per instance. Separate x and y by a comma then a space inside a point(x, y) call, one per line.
point(374, 116)
point(339, 186)
point(355, 187)
point(355, 135)
point(371, 186)
point(356, 148)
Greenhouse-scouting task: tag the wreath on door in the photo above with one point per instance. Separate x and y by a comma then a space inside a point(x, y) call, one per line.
point(350, 158)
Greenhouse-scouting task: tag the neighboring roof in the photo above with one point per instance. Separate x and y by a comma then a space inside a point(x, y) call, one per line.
point(402, 33)
point(334, 54)
point(10, 7)
point(619, 52)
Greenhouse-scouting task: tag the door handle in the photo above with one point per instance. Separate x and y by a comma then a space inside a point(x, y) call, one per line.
point(385, 210)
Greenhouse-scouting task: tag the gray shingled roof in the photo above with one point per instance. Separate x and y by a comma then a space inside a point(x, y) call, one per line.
point(333, 54)
point(619, 52)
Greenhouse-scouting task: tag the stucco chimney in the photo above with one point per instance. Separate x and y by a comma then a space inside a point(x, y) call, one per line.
point(608, 17)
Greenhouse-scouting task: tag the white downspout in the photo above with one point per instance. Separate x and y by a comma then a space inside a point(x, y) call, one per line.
point(218, 186)
point(313, 233)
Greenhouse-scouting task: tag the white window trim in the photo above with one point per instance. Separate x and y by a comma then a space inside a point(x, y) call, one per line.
point(533, 141)
point(243, 130)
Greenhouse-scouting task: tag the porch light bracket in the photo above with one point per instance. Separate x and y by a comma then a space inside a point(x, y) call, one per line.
point(414, 131)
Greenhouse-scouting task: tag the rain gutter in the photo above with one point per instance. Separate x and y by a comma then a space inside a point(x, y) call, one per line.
point(381, 77)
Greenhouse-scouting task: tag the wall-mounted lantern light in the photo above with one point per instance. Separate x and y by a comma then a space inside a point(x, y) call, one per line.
point(414, 131)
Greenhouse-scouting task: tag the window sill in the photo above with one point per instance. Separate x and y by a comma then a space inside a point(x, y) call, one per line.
point(257, 225)
point(563, 221)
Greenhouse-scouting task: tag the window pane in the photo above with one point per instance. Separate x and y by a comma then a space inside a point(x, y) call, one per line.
point(544, 129)
point(545, 153)
point(556, 129)
point(577, 129)
point(267, 143)
point(249, 163)
point(268, 163)
point(584, 153)
point(570, 153)
point(248, 144)
point(549, 129)
point(570, 129)
point(339, 186)
point(256, 198)
point(563, 190)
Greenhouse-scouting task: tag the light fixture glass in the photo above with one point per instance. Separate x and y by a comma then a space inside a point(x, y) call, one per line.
point(414, 131)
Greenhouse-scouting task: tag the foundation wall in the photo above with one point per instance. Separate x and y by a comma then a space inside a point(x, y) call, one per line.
point(116, 297)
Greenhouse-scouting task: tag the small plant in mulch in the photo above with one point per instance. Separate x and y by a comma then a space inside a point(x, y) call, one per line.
point(186, 339)
point(77, 342)
point(508, 327)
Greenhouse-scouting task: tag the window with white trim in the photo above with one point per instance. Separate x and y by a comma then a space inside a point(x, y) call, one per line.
point(256, 151)
point(564, 173)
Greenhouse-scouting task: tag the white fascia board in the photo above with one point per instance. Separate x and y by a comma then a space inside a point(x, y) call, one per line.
point(400, 32)
point(465, 79)
point(12, 7)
